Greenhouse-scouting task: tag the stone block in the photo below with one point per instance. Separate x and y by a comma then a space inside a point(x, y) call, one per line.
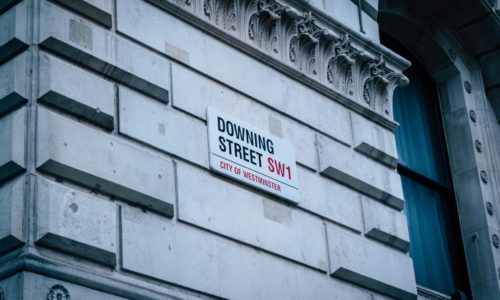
point(360, 173)
point(374, 141)
point(330, 199)
point(283, 280)
point(96, 10)
point(467, 188)
point(12, 147)
point(344, 11)
point(205, 200)
point(13, 85)
point(104, 52)
point(76, 91)
point(486, 290)
point(75, 152)
point(370, 27)
point(76, 222)
point(214, 58)
point(11, 214)
point(159, 248)
point(195, 98)
point(162, 127)
point(463, 159)
point(370, 265)
point(12, 287)
point(478, 246)
point(36, 286)
point(318, 3)
point(385, 225)
point(13, 29)
point(191, 257)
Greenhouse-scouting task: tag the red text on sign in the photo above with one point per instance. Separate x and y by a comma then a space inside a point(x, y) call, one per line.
point(279, 168)
point(226, 166)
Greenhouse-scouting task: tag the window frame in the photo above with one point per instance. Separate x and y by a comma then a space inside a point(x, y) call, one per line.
point(447, 192)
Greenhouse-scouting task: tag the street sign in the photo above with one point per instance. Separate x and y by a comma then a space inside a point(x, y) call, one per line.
point(251, 156)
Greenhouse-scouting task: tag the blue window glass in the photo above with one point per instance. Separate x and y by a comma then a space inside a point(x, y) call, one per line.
point(429, 242)
point(430, 207)
point(420, 144)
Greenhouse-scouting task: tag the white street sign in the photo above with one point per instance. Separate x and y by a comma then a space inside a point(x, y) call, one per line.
point(252, 156)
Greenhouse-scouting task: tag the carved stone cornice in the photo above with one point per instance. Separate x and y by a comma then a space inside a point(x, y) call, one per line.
point(332, 59)
point(222, 13)
point(379, 84)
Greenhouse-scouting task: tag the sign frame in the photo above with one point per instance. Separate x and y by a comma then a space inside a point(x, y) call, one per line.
point(251, 156)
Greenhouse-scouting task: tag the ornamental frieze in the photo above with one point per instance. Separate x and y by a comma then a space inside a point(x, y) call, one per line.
point(326, 54)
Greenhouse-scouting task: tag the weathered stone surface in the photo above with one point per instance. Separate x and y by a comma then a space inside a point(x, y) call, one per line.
point(12, 146)
point(374, 141)
point(13, 29)
point(76, 91)
point(205, 201)
point(370, 265)
point(486, 290)
point(330, 199)
point(385, 225)
point(162, 127)
point(480, 248)
point(76, 222)
point(169, 251)
point(101, 51)
point(96, 10)
point(213, 57)
point(346, 166)
point(469, 185)
point(195, 98)
point(346, 12)
point(466, 182)
point(188, 256)
point(104, 163)
point(11, 214)
point(317, 3)
point(13, 83)
point(12, 287)
point(35, 286)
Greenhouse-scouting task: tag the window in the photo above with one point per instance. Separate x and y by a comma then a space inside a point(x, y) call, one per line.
point(430, 206)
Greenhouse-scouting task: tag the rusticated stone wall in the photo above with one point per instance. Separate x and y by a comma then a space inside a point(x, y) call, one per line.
point(106, 189)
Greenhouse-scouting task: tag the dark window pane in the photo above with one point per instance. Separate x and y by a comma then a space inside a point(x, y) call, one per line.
point(420, 144)
point(429, 243)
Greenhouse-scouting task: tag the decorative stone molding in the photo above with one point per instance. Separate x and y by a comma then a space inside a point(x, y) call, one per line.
point(484, 176)
point(58, 292)
point(302, 41)
point(263, 25)
point(379, 85)
point(472, 116)
point(341, 61)
point(468, 87)
point(489, 208)
point(495, 240)
point(222, 13)
point(479, 146)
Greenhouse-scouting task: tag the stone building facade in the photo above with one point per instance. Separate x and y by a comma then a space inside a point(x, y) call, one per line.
point(106, 190)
